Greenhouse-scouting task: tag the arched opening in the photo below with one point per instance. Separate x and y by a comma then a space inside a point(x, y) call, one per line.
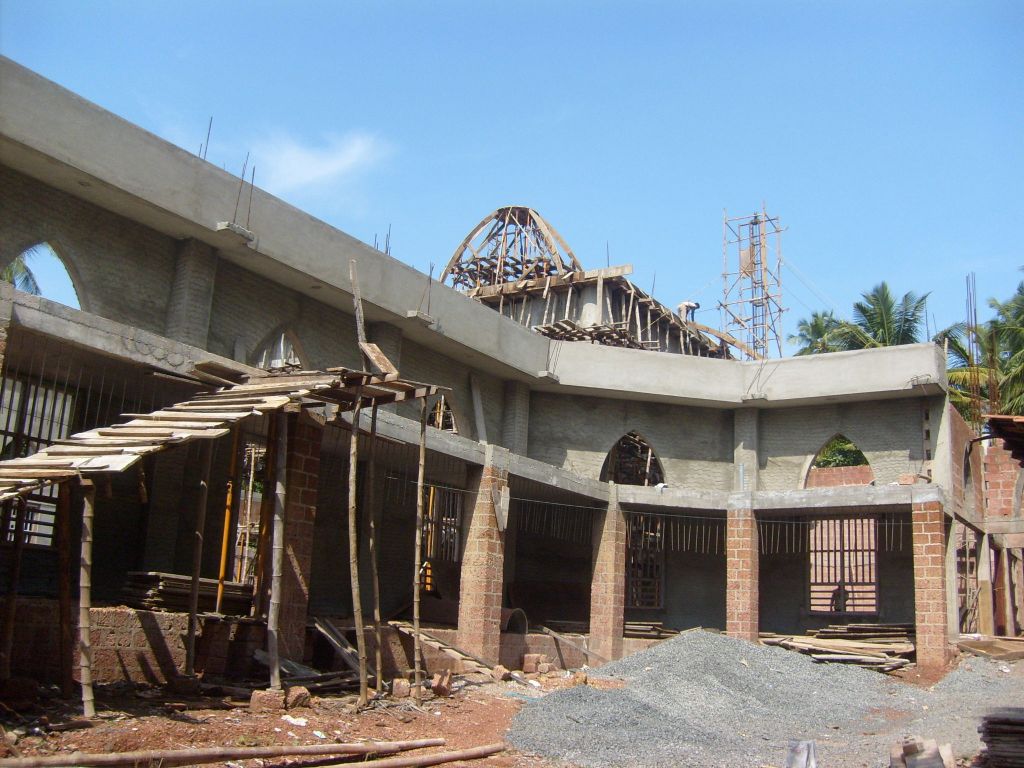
point(632, 461)
point(441, 416)
point(839, 462)
point(280, 350)
point(39, 270)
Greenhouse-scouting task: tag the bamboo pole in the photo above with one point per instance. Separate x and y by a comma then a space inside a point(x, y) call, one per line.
point(85, 600)
point(353, 546)
point(277, 558)
point(175, 757)
point(371, 505)
point(226, 534)
point(67, 633)
point(11, 603)
point(205, 458)
point(417, 690)
point(437, 758)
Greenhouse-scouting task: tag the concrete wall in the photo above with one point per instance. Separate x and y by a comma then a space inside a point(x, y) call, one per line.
point(888, 432)
point(694, 445)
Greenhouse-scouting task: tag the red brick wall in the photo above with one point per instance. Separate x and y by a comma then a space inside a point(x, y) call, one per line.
point(929, 537)
point(831, 477)
point(608, 583)
point(1001, 472)
point(741, 563)
point(480, 589)
point(300, 514)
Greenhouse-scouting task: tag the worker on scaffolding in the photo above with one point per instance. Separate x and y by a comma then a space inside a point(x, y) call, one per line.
point(688, 309)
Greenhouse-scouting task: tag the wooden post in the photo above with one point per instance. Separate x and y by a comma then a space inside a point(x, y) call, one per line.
point(418, 557)
point(353, 546)
point(67, 635)
point(85, 600)
point(277, 558)
point(205, 457)
point(222, 574)
point(11, 604)
point(243, 566)
point(371, 505)
point(261, 569)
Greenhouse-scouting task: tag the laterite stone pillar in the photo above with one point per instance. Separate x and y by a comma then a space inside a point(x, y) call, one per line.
point(483, 563)
point(608, 582)
point(741, 574)
point(300, 515)
point(930, 584)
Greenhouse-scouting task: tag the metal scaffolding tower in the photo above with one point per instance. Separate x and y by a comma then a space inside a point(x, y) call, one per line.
point(752, 281)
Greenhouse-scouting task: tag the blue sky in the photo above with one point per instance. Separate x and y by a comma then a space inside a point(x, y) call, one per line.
point(889, 136)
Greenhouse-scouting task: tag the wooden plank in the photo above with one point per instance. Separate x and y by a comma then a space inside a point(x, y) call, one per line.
point(378, 358)
point(562, 639)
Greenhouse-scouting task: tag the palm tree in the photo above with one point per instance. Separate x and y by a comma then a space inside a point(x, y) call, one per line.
point(882, 321)
point(18, 274)
point(814, 335)
point(963, 372)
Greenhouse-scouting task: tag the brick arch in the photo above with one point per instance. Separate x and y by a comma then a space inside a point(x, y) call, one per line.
point(825, 477)
point(62, 251)
point(628, 454)
point(275, 337)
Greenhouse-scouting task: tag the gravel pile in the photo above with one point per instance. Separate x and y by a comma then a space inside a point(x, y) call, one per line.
point(704, 699)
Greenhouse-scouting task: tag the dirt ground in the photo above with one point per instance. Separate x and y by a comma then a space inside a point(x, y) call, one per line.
point(136, 718)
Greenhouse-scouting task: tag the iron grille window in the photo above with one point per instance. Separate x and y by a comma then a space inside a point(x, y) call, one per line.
point(645, 569)
point(442, 524)
point(843, 556)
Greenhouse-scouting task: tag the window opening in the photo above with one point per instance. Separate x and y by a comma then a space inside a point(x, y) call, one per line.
point(39, 270)
point(280, 352)
point(632, 461)
point(645, 567)
point(844, 565)
point(442, 417)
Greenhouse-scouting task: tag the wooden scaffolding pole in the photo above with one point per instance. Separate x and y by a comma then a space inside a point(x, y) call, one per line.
point(417, 576)
point(371, 505)
point(277, 557)
point(353, 546)
point(67, 632)
point(13, 577)
point(85, 600)
point(205, 458)
point(226, 535)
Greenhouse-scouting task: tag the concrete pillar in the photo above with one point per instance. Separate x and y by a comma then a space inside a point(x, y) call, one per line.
point(929, 531)
point(952, 582)
point(483, 561)
point(389, 339)
point(301, 485)
point(515, 421)
point(608, 580)
point(986, 599)
point(741, 574)
point(745, 448)
point(188, 312)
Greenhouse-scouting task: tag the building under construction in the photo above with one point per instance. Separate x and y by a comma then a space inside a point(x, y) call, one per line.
point(563, 450)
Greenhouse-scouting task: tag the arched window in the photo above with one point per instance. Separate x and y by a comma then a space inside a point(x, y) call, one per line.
point(632, 461)
point(39, 270)
point(280, 350)
point(839, 462)
point(441, 416)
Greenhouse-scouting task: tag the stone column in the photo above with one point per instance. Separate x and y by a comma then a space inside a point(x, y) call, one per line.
point(188, 312)
point(516, 417)
point(929, 530)
point(986, 599)
point(741, 574)
point(608, 582)
point(952, 582)
point(483, 562)
point(300, 515)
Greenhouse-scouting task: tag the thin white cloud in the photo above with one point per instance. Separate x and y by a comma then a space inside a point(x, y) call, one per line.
point(288, 165)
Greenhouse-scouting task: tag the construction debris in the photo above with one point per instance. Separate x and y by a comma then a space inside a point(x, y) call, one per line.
point(158, 591)
point(914, 753)
point(1002, 731)
point(883, 647)
point(997, 648)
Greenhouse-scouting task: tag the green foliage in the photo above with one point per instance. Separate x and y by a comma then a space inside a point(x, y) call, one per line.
point(18, 274)
point(813, 335)
point(840, 452)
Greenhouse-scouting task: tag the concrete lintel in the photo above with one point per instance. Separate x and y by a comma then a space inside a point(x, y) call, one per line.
point(556, 477)
point(848, 496)
point(1011, 527)
point(109, 337)
point(405, 430)
point(672, 497)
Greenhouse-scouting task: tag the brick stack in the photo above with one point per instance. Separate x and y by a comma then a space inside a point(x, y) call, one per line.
point(741, 563)
point(608, 584)
point(482, 572)
point(929, 529)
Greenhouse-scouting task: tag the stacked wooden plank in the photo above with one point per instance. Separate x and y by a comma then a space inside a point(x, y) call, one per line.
point(170, 592)
point(997, 648)
point(1002, 731)
point(884, 647)
point(653, 630)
